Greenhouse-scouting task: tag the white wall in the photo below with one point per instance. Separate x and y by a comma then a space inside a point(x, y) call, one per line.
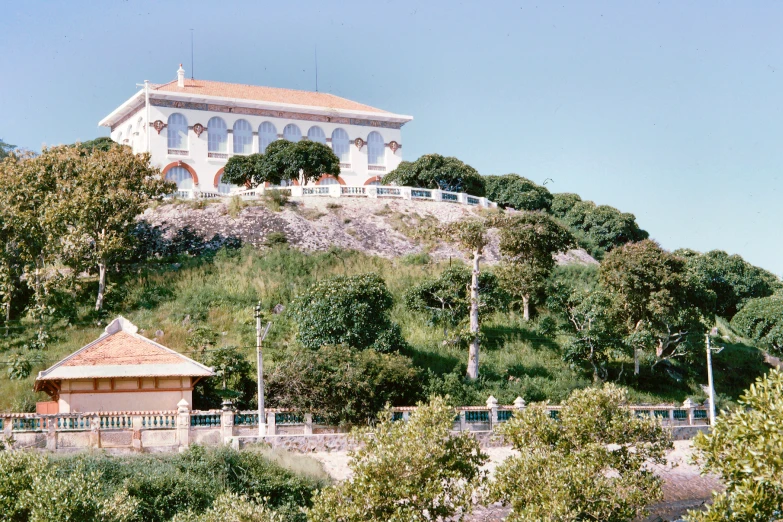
point(206, 168)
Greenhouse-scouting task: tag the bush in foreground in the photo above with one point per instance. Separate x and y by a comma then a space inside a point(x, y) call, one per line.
point(744, 448)
point(589, 464)
point(406, 472)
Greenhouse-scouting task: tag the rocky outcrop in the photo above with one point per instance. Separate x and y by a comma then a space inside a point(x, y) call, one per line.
point(386, 228)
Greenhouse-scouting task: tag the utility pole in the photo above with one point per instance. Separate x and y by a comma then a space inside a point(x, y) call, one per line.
point(260, 336)
point(710, 383)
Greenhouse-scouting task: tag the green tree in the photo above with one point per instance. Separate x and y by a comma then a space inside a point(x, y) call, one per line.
point(471, 235)
point(350, 310)
point(309, 160)
point(743, 448)
point(592, 331)
point(733, 280)
point(104, 143)
point(434, 171)
point(591, 463)
point(446, 298)
point(5, 149)
point(512, 190)
point(244, 170)
point(528, 243)
point(563, 202)
point(233, 371)
point(761, 320)
point(28, 193)
point(411, 471)
point(660, 305)
point(342, 386)
point(101, 192)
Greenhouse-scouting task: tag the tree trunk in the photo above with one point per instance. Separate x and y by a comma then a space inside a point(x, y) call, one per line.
point(526, 307)
point(635, 360)
point(7, 316)
point(473, 354)
point(101, 285)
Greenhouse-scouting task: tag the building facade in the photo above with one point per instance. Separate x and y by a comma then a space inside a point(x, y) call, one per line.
point(192, 127)
point(120, 371)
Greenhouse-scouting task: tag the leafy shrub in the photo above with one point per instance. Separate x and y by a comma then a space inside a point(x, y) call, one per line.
point(235, 206)
point(413, 471)
point(342, 386)
point(761, 320)
point(743, 448)
point(275, 199)
point(433, 171)
point(231, 507)
point(275, 239)
point(351, 310)
point(419, 258)
point(567, 468)
point(517, 192)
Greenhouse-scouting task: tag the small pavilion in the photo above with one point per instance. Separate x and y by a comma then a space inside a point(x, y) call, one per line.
point(120, 371)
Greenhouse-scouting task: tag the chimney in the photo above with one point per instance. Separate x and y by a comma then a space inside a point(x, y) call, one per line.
point(180, 76)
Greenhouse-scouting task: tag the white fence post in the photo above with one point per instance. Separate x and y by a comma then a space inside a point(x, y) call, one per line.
point(271, 423)
point(492, 404)
point(308, 423)
point(689, 405)
point(183, 424)
point(519, 403)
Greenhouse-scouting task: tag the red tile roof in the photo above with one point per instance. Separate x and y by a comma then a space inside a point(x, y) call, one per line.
point(122, 348)
point(266, 94)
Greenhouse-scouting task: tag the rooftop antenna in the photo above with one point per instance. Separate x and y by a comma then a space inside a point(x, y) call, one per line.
point(316, 68)
point(192, 77)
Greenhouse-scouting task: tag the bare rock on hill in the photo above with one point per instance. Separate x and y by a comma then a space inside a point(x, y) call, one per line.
point(386, 228)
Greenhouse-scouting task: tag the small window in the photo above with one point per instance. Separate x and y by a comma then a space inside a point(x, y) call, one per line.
point(177, 131)
point(292, 133)
point(331, 180)
point(217, 135)
point(243, 137)
point(181, 177)
point(341, 145)
point(316, 134)
point(129, 134)
point(267, 133)
point(375, 149)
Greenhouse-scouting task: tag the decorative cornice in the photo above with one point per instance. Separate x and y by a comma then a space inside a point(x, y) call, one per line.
point(289, 115)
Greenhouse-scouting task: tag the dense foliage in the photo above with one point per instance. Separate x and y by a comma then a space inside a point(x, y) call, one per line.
point(591, 463)
point(350, 310)
point(36, 487)
point(5, 149)
point(665, 312)
point(411, 471)
point(761, 320)
point(744, 450)
point(528, 243)
point(599, 228)
point(732, 279)
point(434, 171)
point(283, 160)
point(514, 191)
point(340, 385)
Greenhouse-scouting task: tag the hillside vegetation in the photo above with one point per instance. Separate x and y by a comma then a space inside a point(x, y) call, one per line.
point(215, 294)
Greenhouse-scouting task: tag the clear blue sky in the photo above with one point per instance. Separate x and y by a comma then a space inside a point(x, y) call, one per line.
point(670, 110)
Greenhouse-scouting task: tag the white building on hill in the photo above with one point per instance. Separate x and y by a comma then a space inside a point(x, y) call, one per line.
point(191, 127)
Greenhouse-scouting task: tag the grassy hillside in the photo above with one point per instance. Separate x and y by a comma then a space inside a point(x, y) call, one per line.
point(220, 292)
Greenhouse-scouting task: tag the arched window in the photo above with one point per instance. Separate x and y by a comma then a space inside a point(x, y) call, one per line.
point(181, 177)
point(129, 134)
point(217, 135)
point(331, 180)
point(177, 130)
point(341, 145)
point(375, 149)
point(243, 137)
point(267, 133)
point(376, 183)
point(316, 134)
point(292, 133)
point(224, 188)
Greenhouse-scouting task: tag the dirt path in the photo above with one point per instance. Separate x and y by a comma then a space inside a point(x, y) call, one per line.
point(684, 488)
